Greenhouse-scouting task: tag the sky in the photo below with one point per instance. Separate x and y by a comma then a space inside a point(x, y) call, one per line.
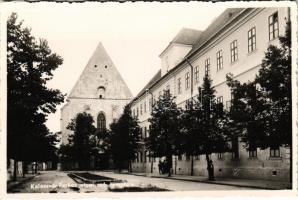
point(133, 34)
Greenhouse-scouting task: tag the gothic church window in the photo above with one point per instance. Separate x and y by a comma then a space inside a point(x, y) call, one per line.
point(101, 122)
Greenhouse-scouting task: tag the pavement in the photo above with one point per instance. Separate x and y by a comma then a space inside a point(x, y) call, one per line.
point(249, 183)
point(60, 182)
point(11, 185)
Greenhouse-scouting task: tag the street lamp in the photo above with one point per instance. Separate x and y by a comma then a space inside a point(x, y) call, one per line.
point(148, 91)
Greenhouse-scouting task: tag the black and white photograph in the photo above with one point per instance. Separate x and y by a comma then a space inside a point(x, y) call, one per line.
point(149, 97)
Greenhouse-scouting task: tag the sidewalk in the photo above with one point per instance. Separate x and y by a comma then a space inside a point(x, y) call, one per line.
point(11, 185)
point(250, 183)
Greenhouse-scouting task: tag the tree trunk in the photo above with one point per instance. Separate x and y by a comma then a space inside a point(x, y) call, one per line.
point(210, 168)
point(151, 164)
point(24, 166)
point(36, 166)
point(15, 164)
point(291, 163)
point(169, 165)
point(129, 166)
point(191, 166)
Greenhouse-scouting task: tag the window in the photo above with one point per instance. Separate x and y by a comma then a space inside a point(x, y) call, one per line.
point(187, 157)
point(273, 26)
point(207, 67)
point(146, 155)
point(150, 104)
point(219, 60)
point(252, 153)
point(179, 85)
point(145, 131)
point(138, 157)
point(228, 105)
point(274, 152)
point(141, 157)
point(101, 122)
point(251, 39)
point(145, 109)
point(137, 112)
point(219, 99)
point(235, 149)
point(234, 51)
point(197, 157)
point(219, 156)
point(179, 157)
point(196, 74)
point(168, 88)
point(187, 80)
point(101, 92)
point(141, 109)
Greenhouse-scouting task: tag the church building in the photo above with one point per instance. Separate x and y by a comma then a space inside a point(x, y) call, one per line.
point(99, 91)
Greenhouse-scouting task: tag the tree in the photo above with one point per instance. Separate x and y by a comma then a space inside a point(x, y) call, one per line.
point(101, 146)
point(125, 138)
point(189, 130)
point(164, 137)
point(263, 107)
point(80, 141)
point(203, 126)
point(30, 65)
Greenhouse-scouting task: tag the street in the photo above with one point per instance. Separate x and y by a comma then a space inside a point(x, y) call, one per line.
point(59, 182)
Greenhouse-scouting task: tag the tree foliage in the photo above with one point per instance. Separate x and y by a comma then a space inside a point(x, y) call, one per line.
point(203, 125)
point(261, 109)
point(165, 138)
point(81, 142)
point(125, 138)
point(30, 65)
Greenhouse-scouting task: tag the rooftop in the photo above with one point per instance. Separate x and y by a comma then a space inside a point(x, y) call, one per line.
point(197, 39)
point(185, 36)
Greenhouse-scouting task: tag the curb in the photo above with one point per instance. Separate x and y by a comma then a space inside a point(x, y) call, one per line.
point(86, 180)
point(214, 182)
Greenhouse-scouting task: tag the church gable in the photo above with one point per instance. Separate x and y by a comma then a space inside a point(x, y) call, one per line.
point(100, 79)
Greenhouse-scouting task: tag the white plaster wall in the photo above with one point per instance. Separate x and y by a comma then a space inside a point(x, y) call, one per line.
point(244, 69)
point(173, 56)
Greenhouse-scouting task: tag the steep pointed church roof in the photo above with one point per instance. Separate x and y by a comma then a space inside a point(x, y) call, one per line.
point(100, 73)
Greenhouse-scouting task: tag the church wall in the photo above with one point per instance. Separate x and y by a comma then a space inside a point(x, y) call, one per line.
point(112, 109)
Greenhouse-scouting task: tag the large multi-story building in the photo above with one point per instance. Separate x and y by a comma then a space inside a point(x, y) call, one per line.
point(233, 43)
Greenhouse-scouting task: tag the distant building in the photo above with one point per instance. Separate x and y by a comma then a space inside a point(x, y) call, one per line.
point(234, 43)
point(100, 91)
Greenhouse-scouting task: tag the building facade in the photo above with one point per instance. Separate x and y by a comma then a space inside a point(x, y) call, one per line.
point(234, 43)
point(100, 91)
